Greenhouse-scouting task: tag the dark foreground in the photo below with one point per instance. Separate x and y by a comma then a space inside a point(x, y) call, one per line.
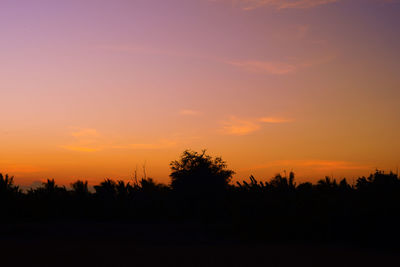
point(115, 244)
point(200, 219)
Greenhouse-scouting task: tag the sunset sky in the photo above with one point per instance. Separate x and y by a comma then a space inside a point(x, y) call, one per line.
point(91, 89)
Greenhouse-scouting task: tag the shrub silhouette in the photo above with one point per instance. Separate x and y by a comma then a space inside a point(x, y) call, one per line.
point(199, 173)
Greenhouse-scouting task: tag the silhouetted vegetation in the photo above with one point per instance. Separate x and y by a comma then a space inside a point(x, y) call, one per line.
point(201, 191)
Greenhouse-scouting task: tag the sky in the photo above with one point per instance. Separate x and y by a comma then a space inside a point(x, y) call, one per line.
point(92, 89)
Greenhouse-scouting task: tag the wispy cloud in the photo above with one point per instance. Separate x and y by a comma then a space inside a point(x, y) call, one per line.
point(15, 168)
point(189, 112)
point(161, 144)
point(280, 4)
point(266, 67)
point(239, 126)
point(302, 31)
point(316, 165)
point(279, 67)
point(89, 140)
point(389, 1)
point(331, 165)
point(85, 140)
point(236, 126)
point(150, 49)
point(140, 49)
point(87, 132)
point(82, 148)
point(274, 120)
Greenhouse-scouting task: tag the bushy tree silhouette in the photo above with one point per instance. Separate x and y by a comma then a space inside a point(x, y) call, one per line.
point(199, 173)
point(379, 182)
point(200, 183)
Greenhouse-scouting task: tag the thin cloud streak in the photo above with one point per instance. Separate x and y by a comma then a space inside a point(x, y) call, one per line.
point(280, 4)
point(274, 120)
point(88, 140)
point(19, 168)
point(317, 165)
point(85, 140)
point(254, 66)
point(268, 67)
point(162, 144)
point(189, 112)
point(82, 148)
point(236, 126)
point(278, 67)
point(240, 127)
point(87, 132)
point(142, 49)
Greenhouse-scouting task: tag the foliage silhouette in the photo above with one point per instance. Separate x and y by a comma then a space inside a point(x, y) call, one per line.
point(80, 188)
point(201, 192)
point(7, 185)
point(198, 172)
point(200, 183)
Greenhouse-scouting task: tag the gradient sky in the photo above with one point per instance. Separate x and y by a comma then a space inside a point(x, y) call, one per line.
point(91, 89)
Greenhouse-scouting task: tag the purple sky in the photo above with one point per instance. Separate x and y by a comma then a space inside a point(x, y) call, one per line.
point(92, 88)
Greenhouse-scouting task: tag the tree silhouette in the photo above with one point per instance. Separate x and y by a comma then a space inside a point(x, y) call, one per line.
point(7, 185)
point(9, 196)
point(49, 190)
point(107, 189)
point(80, 188)
point(198, 172)
point(200, 183)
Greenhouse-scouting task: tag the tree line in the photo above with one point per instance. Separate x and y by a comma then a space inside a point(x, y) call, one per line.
point(201, 192)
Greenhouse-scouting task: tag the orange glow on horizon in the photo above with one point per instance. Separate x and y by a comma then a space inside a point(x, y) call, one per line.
point(96, 91)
